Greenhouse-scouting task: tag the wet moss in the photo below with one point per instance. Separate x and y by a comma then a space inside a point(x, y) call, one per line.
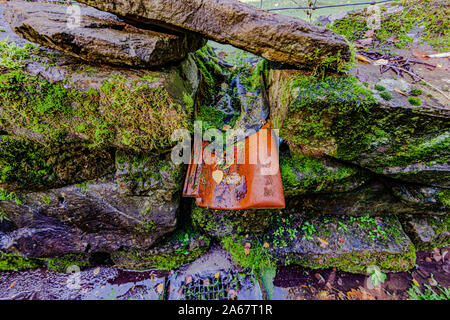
point(248, 252)
point(339, 123)
point(12, 262)
point(181, 247)
point(16, 262)
point(219, 223)
point(359, 261)
point(135, 114)
point(308, 174)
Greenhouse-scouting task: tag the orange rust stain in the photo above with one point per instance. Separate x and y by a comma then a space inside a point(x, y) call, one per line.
point(243, 186)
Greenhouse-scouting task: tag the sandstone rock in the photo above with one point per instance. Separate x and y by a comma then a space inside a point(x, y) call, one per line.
point(349, 244)
point(25, 165)
point(339, 117)
point(92, 105)
point(275, 37)
point(99, 37)
point(427, 232)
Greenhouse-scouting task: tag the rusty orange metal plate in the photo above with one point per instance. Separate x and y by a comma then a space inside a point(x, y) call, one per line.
point(251, 181)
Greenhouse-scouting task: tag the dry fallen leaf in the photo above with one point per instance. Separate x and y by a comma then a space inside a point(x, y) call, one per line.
point(323, 243)
point(324, 295)
point(12, 285)
point(401, 92)
point(415, 282)
point(266, 245)
point(247, 251)
point(362, 59)
point(420, 54)
point(217, 176)
point(96, 271)
point(365, 41)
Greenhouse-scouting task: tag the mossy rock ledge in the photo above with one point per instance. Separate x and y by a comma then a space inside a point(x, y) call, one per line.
point(348, 244)
point(338, 116)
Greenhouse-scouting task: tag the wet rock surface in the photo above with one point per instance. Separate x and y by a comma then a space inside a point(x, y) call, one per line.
point(427, 232)
point(374, 198)
point(96, 36)
point(274, 37)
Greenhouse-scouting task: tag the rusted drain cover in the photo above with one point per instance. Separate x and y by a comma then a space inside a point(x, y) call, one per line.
point(254, 182)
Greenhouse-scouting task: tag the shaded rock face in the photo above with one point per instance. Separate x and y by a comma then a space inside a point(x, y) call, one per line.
point(427, 233)
point(92, 218)
point(99, 38)
point(105, 215)
point(275, 37)
point(218, 224)
point(374, 198)
point(340, 117)
point(350, 244)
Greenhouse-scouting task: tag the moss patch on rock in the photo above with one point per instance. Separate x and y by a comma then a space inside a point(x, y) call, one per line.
point(432, 15)
point(16, 262)
point(220, 223)
point(181, 247)
point(303, 173)
point(137, 112)
point(428, 232)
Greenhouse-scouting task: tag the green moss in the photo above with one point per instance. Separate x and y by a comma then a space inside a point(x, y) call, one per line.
point(257, 257)
point(61, 264)
point(415, 92)
point(310, 124)
point(24, 162)
point(304, 173)
point(415, 101)
point(358, 261)
point(12, 262)
point(444, 198)
point(180, 247)
point(379, 88)
point(15, 262)
point(386, 95)
point(131, 113)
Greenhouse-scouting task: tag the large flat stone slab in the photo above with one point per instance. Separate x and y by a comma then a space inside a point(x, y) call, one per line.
point(275, 37)
point(98, 37)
